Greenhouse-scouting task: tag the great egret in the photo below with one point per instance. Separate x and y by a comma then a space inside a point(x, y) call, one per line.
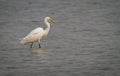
point(37, 34)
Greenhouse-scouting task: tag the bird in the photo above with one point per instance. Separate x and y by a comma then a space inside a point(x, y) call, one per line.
point(38, 33)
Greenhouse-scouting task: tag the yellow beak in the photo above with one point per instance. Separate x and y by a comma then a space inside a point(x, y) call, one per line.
point(52, 21)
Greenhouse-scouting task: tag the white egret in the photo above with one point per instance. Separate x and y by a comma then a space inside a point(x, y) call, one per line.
point(37, 34)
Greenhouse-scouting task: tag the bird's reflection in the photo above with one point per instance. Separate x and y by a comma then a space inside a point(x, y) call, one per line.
point(44, 52)
point(40, 50)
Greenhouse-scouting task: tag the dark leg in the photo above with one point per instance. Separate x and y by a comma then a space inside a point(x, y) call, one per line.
point(31, 45)
point(39, 46)
point(39, 43)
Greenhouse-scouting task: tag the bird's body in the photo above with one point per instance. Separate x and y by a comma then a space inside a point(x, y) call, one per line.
point(33, 36)
point(37, 34)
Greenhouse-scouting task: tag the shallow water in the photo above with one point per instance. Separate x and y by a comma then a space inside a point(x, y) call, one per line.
point(84, 42)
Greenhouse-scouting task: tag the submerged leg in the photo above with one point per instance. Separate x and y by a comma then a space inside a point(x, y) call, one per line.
point(39, 46)
point(39, 43)
point(31, 45)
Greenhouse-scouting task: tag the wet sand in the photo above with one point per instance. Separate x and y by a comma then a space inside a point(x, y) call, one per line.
point(84, 42)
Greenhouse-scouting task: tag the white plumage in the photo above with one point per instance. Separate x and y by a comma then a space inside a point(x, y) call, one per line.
point(37, 34)
point(33, 36)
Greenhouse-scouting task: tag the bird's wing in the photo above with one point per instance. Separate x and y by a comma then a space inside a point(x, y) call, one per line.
point(33, 35)
point(35, 31)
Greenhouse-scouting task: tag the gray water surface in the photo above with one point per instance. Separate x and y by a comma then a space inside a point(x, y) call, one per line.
point(84, 42)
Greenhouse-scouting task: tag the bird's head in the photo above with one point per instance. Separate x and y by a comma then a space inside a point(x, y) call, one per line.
point(51, 20)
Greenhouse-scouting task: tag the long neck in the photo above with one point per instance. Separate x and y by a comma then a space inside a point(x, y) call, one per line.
point(47, 26)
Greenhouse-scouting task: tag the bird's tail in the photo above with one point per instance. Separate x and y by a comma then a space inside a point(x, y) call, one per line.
point(23, 41)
